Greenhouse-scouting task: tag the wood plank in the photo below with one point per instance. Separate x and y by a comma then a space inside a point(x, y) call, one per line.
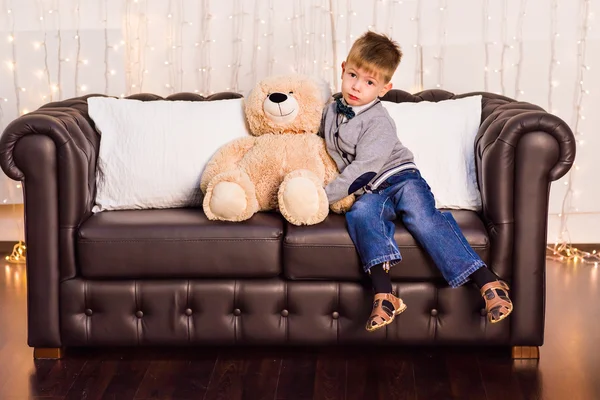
point(431, 375)
point(498, 380)
point(261, 375)
point(48, 378)
point(330, 376)
point(464, 375)
point(297, 376)
point(227, 379)
point(178, 376)
point(381, 374)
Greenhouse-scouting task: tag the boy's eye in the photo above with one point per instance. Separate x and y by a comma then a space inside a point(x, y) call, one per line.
point(370, 82)
point(353, 75)
point(291, 93)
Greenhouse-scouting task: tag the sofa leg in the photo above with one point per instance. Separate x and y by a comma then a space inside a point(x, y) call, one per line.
point(48, 353)
point(525, 353)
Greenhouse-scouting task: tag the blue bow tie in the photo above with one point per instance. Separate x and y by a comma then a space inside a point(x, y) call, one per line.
point(341, 108)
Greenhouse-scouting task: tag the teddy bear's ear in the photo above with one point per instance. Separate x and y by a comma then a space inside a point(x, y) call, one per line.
point(325, 89)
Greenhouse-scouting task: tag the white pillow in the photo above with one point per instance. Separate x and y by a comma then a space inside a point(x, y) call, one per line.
point(441, 136)
point(152, 153)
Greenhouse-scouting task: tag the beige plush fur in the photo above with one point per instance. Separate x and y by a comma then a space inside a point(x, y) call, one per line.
point(284, 166)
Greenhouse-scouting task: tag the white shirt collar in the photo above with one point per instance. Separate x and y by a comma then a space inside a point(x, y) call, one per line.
point(358, 109)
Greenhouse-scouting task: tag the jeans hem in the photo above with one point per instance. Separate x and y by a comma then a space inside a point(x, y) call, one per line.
point(382, 259)
point(464, 276)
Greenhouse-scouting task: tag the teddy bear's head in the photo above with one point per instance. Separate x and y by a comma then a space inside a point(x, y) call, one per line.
point(286, 104)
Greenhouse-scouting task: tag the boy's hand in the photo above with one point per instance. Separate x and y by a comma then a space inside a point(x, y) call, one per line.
point(343, 205)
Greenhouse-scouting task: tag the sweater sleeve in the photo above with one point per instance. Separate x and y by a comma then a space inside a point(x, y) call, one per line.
point(372, 151)
point(321, 132)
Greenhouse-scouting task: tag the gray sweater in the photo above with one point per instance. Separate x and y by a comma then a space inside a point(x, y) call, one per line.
point(365, 148)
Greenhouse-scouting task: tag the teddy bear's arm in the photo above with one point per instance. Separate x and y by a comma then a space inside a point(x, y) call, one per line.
point(331, 170)
point(225, 159)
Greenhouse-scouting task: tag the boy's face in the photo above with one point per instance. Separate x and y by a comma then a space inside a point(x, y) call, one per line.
point(360, 87)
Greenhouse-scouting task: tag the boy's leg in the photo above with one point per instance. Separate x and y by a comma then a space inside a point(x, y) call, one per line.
point(439, 234)
point(371, 227)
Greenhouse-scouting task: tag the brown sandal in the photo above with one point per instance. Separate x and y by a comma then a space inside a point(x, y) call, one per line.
point(497, 302)
point(385, 308)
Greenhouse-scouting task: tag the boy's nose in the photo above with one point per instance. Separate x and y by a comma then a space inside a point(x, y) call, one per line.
point(277, 97)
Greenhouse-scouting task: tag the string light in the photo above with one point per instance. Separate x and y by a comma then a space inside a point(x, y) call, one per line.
point(296, 35)
point(205, 59)
point(182, 24)
point(419, 84)
point(553, 61)
point(106, 47)
point(332, 26)
point(504, 45)
point(271, 38)
point(519, 39)
point(170, 44)
point(238, 32)
point(375, 19)
point(486, 39)
point(142, 57)
point(13, 62)
point(45, 47)
point(59, 52)
point(255, 41)
point(350, 15)
point(563, 250)
point(442, 42)
point(78, 49)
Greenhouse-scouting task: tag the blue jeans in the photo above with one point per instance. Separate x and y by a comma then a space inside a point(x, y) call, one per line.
point(408, 196)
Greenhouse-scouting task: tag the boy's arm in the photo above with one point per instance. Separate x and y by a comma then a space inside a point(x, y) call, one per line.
point(372, 151)
point(321, 132)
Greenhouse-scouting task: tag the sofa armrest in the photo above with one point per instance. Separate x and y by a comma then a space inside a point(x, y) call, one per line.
point(520, 149)
point(53, 152)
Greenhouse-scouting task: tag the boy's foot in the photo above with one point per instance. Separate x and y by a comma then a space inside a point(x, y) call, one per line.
point(497, 303)
point(385, 308)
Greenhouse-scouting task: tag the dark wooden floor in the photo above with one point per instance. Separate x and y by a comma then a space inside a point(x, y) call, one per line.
point(569, 367)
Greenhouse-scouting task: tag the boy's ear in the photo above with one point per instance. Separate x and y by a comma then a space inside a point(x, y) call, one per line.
point(385, 89)
point(343, 68)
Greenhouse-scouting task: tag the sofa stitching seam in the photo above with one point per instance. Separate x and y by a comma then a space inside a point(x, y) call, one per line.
point(137, 325)
point(187, 302)
point(85, 297)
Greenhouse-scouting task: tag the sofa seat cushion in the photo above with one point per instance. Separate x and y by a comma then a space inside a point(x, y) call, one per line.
point(325, 251)
point(178, 243)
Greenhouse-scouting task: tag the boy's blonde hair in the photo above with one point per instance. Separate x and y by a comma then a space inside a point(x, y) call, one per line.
point(376, 53)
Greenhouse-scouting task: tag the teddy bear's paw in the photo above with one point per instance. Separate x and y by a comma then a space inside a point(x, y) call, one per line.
point(302, 201)
point(230, 196)
point(343, 205)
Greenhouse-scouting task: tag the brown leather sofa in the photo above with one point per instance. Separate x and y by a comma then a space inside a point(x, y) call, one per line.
point(173, 278)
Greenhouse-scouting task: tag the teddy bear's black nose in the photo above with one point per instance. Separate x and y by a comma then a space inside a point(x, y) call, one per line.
point(277, 97)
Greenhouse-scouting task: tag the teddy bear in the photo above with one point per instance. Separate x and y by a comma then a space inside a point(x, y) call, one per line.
point(283, 165)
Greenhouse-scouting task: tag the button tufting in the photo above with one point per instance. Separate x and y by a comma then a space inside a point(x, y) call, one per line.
point(434, 312)
point(188, 312)
point(237, 312)
point(139, 314)
point(483, 312)
point(335, 315)
point(88, 312)
point(284, 313)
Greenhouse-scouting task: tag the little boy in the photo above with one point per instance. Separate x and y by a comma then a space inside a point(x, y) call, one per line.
point(361, 138)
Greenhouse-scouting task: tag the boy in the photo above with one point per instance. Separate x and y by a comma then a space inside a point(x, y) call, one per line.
point(361, 138)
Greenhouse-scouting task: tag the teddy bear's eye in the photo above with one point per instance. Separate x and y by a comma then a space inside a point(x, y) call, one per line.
point(291, 93)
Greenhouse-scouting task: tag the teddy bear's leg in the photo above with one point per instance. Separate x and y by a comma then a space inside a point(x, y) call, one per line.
point(230, 196)
point(302, 199)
